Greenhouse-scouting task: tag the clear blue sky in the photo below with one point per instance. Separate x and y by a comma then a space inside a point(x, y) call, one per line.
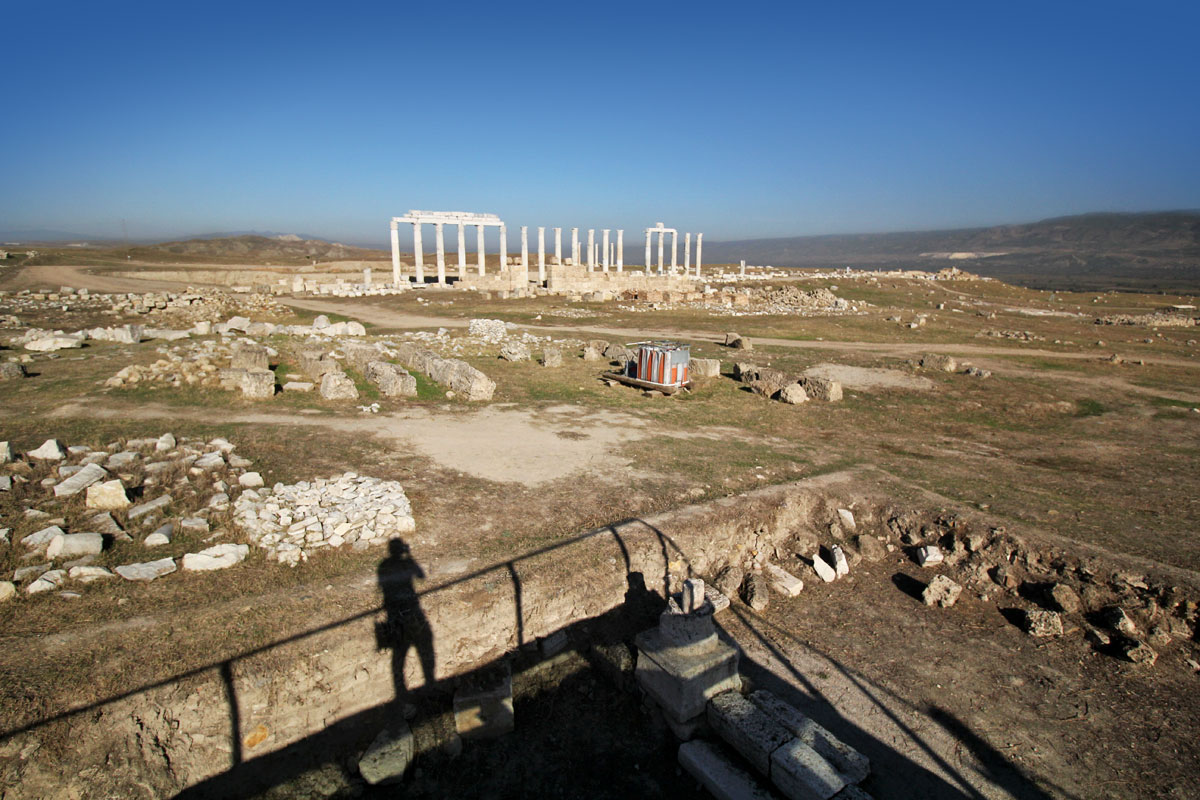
point(739, 119)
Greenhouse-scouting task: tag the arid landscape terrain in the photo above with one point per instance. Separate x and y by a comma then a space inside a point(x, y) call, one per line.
point(239, 638)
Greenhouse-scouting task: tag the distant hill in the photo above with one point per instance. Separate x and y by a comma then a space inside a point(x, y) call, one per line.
point(1159, 250)
point(254, 248)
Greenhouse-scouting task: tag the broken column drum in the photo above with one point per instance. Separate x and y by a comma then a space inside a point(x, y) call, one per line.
point(664, 364)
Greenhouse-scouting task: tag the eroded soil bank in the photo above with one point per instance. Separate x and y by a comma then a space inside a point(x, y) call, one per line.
point(954, 701)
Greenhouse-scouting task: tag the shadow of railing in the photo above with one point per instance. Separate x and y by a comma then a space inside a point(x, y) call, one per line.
point(333, 745)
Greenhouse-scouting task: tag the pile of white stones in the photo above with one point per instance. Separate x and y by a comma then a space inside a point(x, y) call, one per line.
point(291, 520)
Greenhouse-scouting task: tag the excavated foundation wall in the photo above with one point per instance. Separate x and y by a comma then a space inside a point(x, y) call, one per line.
point(194, 727)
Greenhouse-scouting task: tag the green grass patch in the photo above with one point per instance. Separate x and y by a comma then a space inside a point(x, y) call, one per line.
point(1089, 408)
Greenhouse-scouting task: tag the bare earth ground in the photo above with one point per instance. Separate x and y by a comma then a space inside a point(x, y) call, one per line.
point(1058, 441)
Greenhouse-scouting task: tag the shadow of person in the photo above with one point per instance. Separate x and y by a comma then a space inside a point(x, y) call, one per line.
point(405, 625)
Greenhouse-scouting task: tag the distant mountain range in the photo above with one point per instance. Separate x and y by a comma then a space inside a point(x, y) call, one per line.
point(1155, 250)
point(1158, 250)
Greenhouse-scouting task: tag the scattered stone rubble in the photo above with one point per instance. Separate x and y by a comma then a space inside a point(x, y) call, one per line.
point(1155, 320)
point(778, 385)
point(290, 521)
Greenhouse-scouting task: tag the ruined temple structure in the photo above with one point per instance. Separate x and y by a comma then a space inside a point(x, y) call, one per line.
point(594, 266)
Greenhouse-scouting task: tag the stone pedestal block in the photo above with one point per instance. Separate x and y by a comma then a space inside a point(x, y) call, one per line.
point(681, 679)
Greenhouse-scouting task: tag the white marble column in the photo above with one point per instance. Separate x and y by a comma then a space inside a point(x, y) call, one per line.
point(699, 245)
point(440, 236)
point(575, 246)
point(591, 249)
point(661, 240)
point(525, 249)
point(743, 266)
point(687, 254)
point(541, 255)
point(395, 253)
point(674, 250)
point(648, 267)
point(503, 248)
point(367, 277)
point(418, 260)
point(620, 249)
point(462, 251)
point(479, 250)
point(558, 245)
point(605, 259)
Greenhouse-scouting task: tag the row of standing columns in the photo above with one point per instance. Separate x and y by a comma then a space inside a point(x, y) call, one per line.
point(609, 254)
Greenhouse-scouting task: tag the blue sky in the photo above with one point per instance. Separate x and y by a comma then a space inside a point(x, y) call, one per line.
point(741, 120)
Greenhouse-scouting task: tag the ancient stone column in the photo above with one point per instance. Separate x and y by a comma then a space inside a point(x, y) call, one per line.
point(743, 266)
point(504, 248)
point(541, 255)
point(620, 249)
point(575, 246)
point(462, 251)
point(674, 250)
point(395, 253)
point(591, 249)
point(648, 267)
point(699, 245)
point(661, 239)
point(418, 261)
point(479, 249)
point(687, 254)
point(605, 257)
point(525, 248)
point(440, 236)
point(558, 245)
point(367, 277)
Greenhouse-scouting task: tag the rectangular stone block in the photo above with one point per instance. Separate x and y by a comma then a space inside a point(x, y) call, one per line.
point(682, 679)
point(844, 758)
point(801, 774)
point(717, 773)
point(747, 729)
point(783, 581)
point(483, 707)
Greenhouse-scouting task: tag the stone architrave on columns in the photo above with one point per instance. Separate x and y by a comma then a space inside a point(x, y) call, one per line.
point(440, 236)
point(620, 249)
point(395, 253)
point(418, 260)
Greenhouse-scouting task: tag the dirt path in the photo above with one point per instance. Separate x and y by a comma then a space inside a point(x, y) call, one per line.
point(93, 279)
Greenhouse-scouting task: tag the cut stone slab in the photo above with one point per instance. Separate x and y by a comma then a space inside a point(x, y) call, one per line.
point(8, 590)
point(715, 598)
point(298, 386)
point(49, 580)
point(718, 774)
point(219, 556)
point(194, 525)
point(104, 523)
point(705, 367)
point(250, 480)
point(257, 384)
point(87, 574)
point(6, 452)
point(747, 728)
point(42, 538)
point(30, 573)
point(929, 554)
point(74, 545)
point(840, 565)
point(338, 386)
point(162, 535)
point(853, 765)
point(5, 483)
point(122, 459)
point(107, 496)
point(157, 504)
point(682, 679)
point(824, 571)
point(81, 480)
point(783, 581)
point(483, 709)
point(800, 773)
point(146, 571)
point(50, 450)
point(388, 756)
point(941, 591)
point(165, 443)
point(754, 591)
point(793, 394)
